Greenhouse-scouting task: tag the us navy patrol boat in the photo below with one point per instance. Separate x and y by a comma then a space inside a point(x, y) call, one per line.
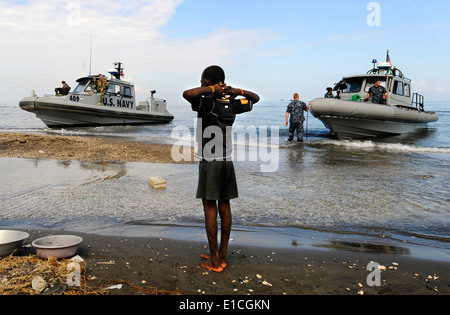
point(90, 105)
point(349, 117)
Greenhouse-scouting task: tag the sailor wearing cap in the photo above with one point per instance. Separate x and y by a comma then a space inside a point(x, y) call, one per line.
point(329, 93)
point(378, 93)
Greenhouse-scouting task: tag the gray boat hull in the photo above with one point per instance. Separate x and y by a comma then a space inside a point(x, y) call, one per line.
point(58, 112)
point(354, 120)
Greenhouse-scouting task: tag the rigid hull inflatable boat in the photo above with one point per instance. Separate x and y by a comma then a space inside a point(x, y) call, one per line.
point(97, 101)
point(351, 115)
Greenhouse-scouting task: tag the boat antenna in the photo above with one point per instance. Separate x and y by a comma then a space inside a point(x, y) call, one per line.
point(90, 58)
point(119, 69)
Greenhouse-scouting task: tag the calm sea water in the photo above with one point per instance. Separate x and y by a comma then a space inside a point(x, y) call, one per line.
point(393, 192)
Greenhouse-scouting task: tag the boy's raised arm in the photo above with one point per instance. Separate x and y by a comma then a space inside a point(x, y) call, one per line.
point(219, 90)
point(193, 95)
point(235, 92)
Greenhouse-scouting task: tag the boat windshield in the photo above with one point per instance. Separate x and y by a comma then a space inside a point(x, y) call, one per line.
point(352, 85)
point(80, 87)
point(371, 82)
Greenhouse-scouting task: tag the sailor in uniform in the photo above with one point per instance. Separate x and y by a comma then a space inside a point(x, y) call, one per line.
point(295, 110)
point(103, 89)
point(378, 93)
point(100, 85)
point(329, 93)
point(64, 90)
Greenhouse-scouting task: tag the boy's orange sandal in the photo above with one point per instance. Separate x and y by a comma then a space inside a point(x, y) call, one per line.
point(218, 269)
point(206, 256)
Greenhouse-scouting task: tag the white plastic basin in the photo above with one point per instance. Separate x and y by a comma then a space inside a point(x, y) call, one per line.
point(59, 246)
point(11, 240)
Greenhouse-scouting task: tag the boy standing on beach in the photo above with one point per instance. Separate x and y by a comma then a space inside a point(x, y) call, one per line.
point(217, 106)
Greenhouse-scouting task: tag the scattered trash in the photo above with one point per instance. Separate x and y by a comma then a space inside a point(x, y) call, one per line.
point(157, 183)
point(56, 289)
point(38, 283)
point(117, 286)
point(32, 275)
point(111, 262)
point(77, 259)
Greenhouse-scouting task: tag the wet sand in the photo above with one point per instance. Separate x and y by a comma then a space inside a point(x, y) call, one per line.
point(174, 265)
point(83, 149)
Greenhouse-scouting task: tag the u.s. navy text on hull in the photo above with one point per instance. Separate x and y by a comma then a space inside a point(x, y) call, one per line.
point(116, 102)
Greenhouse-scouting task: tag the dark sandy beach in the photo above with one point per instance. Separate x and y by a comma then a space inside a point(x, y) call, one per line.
point(140, 264)
point(173, 266)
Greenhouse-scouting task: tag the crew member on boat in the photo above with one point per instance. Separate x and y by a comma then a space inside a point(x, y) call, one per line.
point(378, 93)
point(101, 85)
point(105, 86)
point(329, 93)
point(64, 90)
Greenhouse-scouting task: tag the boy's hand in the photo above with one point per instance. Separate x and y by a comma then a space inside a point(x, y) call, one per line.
point(232, 92)
point(219, 89)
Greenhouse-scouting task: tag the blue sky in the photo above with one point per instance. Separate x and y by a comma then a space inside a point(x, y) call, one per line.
point(274, 48)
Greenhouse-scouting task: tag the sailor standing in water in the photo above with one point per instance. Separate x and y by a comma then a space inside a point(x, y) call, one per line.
point(295, 109)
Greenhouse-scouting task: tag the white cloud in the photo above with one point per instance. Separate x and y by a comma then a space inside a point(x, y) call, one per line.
point(432, 88)
point(45, 42)
point(419, 86)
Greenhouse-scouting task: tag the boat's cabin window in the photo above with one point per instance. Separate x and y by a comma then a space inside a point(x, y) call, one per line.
point(113, 88)
point(89, 86)
point(398, 88)
point(80, 87)
point(352, 85)
point(110, 88)
point(407, 88)
point(127, 91)
point(371, 82)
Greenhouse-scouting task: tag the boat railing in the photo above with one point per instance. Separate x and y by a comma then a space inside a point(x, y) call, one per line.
point(418, 101)
point(159, 99)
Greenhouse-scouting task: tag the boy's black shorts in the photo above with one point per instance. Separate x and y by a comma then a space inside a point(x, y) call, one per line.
point(217, 180)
